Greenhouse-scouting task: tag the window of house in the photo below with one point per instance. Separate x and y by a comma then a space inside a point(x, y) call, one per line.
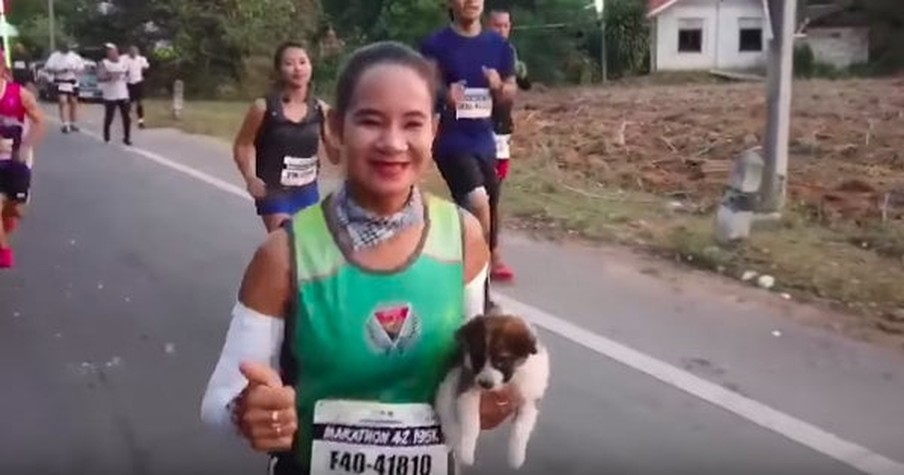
point(751, 34)
point(690, 35)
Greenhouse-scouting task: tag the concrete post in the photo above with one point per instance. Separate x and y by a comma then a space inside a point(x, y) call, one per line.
point(178, 99)
point(783, 15)
point(735, 216)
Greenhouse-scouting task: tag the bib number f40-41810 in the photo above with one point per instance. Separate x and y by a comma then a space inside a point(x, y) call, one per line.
point(359, 463)
point(365, 438)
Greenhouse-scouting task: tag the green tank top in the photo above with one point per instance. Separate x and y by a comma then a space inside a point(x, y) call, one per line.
point(360, 334)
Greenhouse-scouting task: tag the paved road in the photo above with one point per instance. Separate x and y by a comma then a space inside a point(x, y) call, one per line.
point(127, 270)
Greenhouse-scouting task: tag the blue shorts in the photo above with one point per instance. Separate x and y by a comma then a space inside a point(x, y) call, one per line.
point(288, 202)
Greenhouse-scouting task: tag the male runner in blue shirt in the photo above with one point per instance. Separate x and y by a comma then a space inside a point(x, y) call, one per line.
point(477, 69)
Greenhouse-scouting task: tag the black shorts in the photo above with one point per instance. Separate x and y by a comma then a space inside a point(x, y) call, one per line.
point(136, 91)
point(61, 86)
point(465, 173)
point(15, 181)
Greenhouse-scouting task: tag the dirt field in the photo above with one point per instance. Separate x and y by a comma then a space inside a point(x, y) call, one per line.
point(847, 147)
point(645, 165)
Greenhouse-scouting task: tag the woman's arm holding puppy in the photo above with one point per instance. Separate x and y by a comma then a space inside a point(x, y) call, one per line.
point(495, 407)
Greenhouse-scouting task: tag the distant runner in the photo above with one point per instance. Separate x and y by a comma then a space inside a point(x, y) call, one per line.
point(138, 64)
point(113, 75)
point(17, 141)
point(66, 65)
point(477, 69)
point(278, 148)
point(503, 127)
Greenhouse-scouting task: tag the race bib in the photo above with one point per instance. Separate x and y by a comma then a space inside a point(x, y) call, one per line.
point(298, 171)
point(65, 87)
point(503, 146)
point(19, 64)
point(358, 437)
point(477, 104)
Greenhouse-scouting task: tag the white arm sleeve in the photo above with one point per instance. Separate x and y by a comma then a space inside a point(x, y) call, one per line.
point(475, 297)
point(252, 336)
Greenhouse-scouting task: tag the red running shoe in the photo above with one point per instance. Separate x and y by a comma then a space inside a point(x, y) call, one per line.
point(501, 273)
point(6, 258)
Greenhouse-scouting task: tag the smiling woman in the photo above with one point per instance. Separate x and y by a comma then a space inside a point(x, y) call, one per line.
point(347, 315)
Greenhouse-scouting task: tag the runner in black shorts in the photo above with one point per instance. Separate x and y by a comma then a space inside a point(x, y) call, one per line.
point(66, 65)
point(17, 139)
point(500, 21)
point(477, 68)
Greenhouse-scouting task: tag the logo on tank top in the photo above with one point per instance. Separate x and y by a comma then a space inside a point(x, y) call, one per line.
point(393, 328)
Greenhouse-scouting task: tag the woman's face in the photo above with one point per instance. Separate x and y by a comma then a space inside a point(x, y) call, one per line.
point(387, 132)
point(295, 67)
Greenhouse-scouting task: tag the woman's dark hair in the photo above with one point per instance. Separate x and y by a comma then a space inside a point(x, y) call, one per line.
point(378, 54)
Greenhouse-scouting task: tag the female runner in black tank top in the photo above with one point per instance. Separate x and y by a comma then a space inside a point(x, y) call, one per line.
point(283, 136)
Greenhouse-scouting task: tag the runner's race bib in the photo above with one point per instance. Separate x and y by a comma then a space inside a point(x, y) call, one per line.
point(298, 171)
point(359, 437)
point(477, 104)
point(503, 146)
point(65, 87)
point(19, 64)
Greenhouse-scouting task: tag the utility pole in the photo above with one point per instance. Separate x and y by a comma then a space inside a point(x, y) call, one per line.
point(6, 32)
point(600, 6)
point(51, 21)
point(783, 16)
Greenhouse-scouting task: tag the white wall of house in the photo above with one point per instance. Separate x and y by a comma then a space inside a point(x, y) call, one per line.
point(721, 22)
point(840, 47)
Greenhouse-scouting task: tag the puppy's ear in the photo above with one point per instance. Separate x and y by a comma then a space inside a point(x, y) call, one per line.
point(471, 331)
point(526, 343)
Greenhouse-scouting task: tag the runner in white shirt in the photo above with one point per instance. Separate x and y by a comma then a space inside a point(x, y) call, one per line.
point(113, 75)
point(137, 65)
point(65, 65)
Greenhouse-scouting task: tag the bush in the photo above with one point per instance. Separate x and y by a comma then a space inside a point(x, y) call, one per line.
point(804, 61)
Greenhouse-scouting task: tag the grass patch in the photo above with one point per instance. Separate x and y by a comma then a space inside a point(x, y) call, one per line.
point(215, 118)
point(860, 268)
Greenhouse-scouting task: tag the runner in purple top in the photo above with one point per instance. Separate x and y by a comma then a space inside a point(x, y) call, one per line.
point(477, 69)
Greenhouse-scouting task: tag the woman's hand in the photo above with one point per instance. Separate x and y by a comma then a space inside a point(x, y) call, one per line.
point(265, 411)
point(497, 406)
point(256, 187)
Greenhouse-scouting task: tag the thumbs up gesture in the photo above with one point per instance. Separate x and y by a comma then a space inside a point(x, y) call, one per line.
point(265, 410)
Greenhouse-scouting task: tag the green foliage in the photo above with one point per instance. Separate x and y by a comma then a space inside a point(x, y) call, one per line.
point(627, 37)
point(804, 61)
point(224, 47)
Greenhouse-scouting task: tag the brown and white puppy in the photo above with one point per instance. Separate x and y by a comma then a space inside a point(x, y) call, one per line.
point(493, 352)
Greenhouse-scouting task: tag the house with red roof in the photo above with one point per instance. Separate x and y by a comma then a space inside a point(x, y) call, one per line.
point(708, 34)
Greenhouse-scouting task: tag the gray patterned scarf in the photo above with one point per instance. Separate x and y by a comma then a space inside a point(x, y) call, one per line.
point(366, 229)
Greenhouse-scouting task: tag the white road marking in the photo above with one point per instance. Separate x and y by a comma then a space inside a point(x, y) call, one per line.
point(804, 433)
